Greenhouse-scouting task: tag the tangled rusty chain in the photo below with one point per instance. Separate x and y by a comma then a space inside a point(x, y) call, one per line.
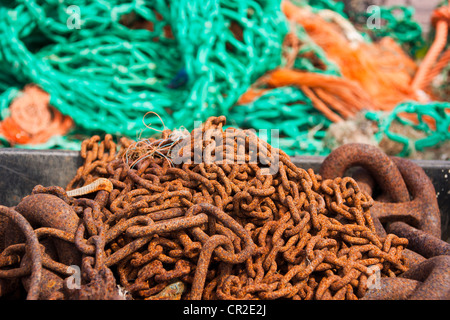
point(222, 230)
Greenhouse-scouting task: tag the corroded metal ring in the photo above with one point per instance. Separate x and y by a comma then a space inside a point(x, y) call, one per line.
point(373, 159)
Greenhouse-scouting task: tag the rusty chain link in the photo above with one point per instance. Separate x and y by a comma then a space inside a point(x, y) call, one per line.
point(209, 230)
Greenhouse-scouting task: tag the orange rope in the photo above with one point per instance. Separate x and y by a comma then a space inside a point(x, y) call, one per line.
point(440, 65)
point(334, 103)
point(382, 69)
point(320, 105)
point(291, 41)
point(374, 76)
point(325, 91)
point(441, 20)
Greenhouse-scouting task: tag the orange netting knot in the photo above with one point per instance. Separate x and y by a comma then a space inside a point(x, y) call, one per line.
point(33, 120)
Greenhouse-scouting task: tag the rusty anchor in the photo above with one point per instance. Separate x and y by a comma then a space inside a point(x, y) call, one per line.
point(408, 210)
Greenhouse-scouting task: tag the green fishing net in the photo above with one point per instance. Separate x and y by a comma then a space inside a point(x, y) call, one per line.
point(108, 63)
point(102, 68)
point(287, 109)
point(432, 119)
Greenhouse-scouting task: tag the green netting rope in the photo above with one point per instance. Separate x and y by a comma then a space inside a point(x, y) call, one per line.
point(287, 109)
point(106, 75)
point(398, 22)
point(395, 21)
point(301, 127)
point(317, 5)
point(439, 112)
point(303, 62)
point(406, 31)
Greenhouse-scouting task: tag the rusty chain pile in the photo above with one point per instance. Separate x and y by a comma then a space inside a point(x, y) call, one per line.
point(207, 229)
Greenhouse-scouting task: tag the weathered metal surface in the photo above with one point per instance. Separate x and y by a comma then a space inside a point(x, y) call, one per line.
point(33, 250)
point(45, 210)
point(411, 213)
point(22, 169)
point(228, 231)
point(428, 280)
point(420, 241)
point(384, 171)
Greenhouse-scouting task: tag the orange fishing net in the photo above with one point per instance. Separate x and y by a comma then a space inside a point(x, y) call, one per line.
point(375, 76)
